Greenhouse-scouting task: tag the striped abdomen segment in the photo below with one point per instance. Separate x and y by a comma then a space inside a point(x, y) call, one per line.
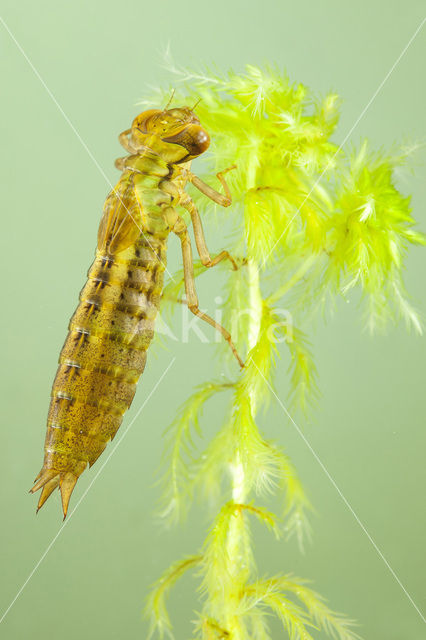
point(101, 361)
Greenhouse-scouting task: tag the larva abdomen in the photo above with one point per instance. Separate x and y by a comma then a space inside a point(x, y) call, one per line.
point(101, 361)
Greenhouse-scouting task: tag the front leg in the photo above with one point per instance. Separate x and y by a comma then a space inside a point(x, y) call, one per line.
point(219, 198)
point(123, 139)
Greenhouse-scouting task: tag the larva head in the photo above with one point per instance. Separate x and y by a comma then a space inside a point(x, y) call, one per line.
point(175, 134)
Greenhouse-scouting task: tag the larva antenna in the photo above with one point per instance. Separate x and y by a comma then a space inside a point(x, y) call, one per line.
point(196, 104)
point(170, 100)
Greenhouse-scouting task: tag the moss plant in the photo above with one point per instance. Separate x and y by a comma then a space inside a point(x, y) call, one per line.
point(310, 223)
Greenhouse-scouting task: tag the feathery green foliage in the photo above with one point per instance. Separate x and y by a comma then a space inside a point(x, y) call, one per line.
point(310, 223)
point(156, 605)
point(179, 478)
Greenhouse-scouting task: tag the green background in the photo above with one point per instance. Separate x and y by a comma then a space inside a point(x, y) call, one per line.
point(99, 59)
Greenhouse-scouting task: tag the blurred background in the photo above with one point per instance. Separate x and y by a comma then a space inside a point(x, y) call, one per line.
point(98, 59)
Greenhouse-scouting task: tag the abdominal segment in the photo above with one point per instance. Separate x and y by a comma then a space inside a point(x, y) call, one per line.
point(101, 361)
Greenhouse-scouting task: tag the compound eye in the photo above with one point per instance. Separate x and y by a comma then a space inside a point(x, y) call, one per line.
point(193, 138)
point(201, 139)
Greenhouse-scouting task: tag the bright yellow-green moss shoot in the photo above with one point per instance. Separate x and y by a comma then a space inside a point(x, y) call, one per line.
point(310, 224)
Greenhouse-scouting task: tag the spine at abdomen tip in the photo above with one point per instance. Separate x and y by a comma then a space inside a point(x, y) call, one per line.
point(100, 363)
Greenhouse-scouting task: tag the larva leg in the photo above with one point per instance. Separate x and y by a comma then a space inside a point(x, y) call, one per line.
point(164, 296)
point(123, 139)
point(119, 163)
point(200, 239)
point(219, 198)
point(179, 228)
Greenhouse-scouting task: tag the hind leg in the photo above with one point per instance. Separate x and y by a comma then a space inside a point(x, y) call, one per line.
point(200, 239)
point(179, 228)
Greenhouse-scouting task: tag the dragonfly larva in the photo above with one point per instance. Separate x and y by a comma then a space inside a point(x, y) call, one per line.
point(105, 350)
